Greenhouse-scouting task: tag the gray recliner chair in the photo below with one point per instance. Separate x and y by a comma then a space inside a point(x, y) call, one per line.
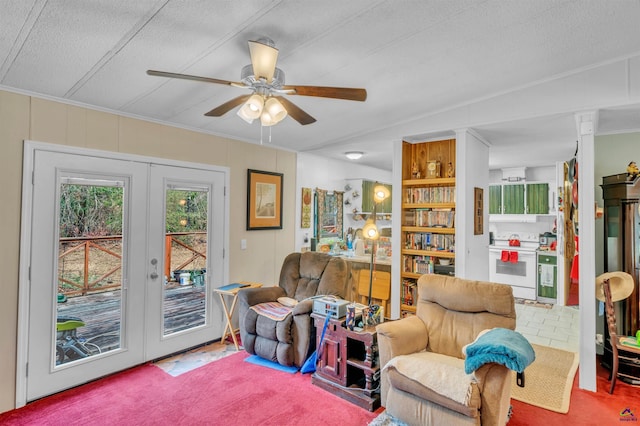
point(291, 340)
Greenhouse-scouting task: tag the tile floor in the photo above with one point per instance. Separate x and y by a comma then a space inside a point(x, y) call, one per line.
point(555, 326)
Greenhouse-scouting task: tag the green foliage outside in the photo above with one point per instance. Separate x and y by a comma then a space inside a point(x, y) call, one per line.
point(92, 211)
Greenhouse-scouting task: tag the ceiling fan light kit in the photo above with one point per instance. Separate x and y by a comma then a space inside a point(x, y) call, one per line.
point(252, 108)
point(266, 83)
point(263, 58)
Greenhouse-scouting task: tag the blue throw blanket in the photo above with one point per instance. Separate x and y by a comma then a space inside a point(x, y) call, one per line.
point(500, 345)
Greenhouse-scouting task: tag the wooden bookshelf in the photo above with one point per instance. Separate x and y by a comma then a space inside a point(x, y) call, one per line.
point(427, 213)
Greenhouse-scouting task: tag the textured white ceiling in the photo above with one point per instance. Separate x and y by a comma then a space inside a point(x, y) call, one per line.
point(428, 66)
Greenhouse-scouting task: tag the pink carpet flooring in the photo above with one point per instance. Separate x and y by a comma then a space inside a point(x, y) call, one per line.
point(225, 392)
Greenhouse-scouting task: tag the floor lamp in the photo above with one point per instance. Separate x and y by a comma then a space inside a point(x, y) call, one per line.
point(370, 230)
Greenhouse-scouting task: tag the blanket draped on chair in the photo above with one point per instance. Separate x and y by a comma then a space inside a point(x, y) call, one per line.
point(499, 345)
point(273, 310)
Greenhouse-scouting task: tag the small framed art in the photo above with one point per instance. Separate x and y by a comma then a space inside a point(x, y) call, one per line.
point(264, 200)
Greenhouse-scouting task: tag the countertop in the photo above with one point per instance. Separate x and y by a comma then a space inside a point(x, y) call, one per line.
point(365, 259)
point(547, 252)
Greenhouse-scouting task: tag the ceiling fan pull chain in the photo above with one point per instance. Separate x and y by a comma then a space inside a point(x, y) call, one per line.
point(261, 127)
point(270, 133)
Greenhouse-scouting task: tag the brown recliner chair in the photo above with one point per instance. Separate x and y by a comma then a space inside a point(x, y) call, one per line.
point(291, 340)
point(450, 314)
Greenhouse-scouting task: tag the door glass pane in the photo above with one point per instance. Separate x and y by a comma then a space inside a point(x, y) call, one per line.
point(89, 287)
point(186, 221)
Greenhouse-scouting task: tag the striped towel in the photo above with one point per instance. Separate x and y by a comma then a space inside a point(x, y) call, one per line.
point(273, 310)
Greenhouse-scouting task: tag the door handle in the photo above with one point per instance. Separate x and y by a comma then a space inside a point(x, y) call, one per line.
point(154, 275)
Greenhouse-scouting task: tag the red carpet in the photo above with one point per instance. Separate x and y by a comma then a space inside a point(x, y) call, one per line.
point(587, 408)
point(225, 392)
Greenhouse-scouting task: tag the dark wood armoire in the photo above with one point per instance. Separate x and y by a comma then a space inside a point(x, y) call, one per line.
point(621, 196)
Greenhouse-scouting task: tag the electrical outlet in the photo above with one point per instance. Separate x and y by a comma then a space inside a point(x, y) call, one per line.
point(243, 244)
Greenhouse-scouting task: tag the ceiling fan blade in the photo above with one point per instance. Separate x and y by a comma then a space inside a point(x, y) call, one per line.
point(295, 111)
point(346, 93)
point(227, 106)
point(195, 78)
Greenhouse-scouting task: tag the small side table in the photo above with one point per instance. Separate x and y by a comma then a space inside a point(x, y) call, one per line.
point(349, 365)
point(232, 290)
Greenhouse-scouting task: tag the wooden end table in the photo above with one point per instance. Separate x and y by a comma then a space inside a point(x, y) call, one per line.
point(349, 365)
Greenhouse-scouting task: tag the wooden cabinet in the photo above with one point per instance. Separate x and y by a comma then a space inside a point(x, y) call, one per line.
point(537, 198)
point(427, 216)
point(519, 198)
point(622, 253)
point(360, 197)
point(495, 199)
point(513, 197)
point(349, 365)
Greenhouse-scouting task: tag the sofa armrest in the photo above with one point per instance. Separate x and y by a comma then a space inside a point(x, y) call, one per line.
point(253, 296)
point(494, 383)
point(401, 337)
point(303, 307)
point(405, 336)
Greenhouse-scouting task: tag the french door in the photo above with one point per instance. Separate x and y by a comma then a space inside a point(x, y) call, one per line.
point(180, 306)
point(121, 260)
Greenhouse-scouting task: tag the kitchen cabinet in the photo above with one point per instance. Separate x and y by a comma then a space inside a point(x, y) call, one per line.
point(547, 277)
point(519, 198)
point(359, 198)
point(537, 198)
point(427, 215)
point(495, 199)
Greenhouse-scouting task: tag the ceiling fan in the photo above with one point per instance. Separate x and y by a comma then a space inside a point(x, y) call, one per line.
point(266, 83)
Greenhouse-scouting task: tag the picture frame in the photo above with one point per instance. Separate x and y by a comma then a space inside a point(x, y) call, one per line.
point(264, 200)
point(478, 211)
point(306, 208)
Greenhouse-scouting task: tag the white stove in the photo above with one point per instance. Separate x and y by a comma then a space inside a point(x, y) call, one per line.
point(528, 242)
point(512, 259)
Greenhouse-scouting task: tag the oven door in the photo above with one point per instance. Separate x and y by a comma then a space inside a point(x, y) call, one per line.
point(518, 270)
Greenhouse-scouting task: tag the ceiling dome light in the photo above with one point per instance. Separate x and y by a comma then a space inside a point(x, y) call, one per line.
point(353, 155)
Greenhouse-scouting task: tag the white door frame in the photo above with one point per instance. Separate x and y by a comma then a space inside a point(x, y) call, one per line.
point(25, 237)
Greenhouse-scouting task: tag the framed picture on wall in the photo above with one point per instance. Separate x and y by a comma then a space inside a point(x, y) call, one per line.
point(478, 211)
point(264, 200)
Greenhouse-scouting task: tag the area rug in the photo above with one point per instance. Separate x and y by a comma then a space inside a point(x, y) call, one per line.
point(254, 359)
point(548, 380)
point(385, 419)
point(228, 392)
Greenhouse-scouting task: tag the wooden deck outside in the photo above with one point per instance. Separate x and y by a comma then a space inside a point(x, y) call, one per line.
point(184, 307)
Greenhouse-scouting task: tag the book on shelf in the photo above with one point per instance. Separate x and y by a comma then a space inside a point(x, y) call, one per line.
point(409, 292)
point(429, 241)
point(434, 217)
point(431, 194)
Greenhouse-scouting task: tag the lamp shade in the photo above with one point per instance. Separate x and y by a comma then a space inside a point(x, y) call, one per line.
point(370, 230)
point(252, 108)
point(263, 59)
point(275, 110)
point(266, 119)
point(380, 193)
